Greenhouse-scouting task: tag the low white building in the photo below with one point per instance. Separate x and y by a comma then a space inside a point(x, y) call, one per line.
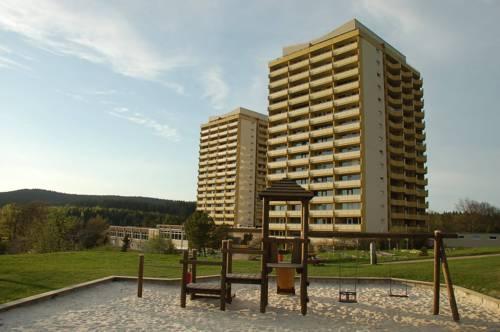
point(474, 240)
point(139, 235)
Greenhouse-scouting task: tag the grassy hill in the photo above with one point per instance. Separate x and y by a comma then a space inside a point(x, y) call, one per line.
point(53, 198)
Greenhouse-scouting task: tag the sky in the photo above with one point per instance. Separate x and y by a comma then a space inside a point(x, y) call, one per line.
point(106, 97)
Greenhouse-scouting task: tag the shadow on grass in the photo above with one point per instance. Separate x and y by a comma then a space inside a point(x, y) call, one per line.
point(40, 286)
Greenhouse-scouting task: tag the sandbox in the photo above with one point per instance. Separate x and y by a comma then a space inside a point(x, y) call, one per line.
point(114, 306)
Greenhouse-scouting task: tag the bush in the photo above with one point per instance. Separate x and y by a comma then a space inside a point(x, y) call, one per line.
point(126, 243)
point(158, 245)
point(3, 247)
point(423, 252)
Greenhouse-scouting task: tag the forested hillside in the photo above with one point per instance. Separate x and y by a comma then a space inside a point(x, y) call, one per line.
point(180, 209)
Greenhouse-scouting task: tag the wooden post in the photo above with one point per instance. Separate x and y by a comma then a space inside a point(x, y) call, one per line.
point(449, 285)
point(437, 272)
point(193, 268)
point(185, 257)
point(265, 236)
point(140, 275)
point(229, 268)
point(305, 245)
point(223, 276)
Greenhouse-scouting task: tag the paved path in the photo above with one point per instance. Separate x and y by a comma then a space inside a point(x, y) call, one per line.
point(432, 259)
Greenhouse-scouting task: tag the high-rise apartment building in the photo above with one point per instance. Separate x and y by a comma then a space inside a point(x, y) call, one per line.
point(346, 122)
point(232, 167)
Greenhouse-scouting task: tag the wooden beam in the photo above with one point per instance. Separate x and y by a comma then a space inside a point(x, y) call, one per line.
point(437, 271)
point(305, 245)
point(184, 275)
point(449, 285)
point(140, 276)
point(265, 235)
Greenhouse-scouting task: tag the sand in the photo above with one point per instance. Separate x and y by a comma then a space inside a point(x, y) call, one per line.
point(114, 307)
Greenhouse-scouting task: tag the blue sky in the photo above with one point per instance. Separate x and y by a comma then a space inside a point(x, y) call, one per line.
point(107, 97)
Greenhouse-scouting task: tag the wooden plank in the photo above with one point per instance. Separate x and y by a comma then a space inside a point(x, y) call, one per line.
point(183, 281)
point(265, 235)
point(449, 285)
point(305, 248)
point(193, 268)
point(140, 275)
point(437, 272)
point(246, 251)
point(223, 278)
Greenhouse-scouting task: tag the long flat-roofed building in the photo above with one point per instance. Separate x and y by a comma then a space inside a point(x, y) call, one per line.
point(232, 167)
point(346, 122)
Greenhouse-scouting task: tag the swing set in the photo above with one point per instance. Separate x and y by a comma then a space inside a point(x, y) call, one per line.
point(348, 286)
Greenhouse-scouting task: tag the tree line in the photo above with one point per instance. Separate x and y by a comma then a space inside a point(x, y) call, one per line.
point(470, 216)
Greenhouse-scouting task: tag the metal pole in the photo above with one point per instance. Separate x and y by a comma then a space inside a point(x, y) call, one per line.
point(140, 275)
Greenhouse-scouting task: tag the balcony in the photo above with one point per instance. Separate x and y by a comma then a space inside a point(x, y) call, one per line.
point(280, 105)
point(393, 66)
point(298, 124)
point(347, 155)
point(298, 100)
point(276, 177)
point(297, 149)
point(278, 94)
point(348, 184)
point(346, 100)
point(393, 77)
point(321, 172)
point(323, 56)
point(321, 213)
point(278, 117)
point(298, 175)
point(397, 189)
point(299, 112)
point(423, 182)
point(298, 137)
point(299, 64)
point(321, 186)
point(347, 141)
point(298, 76)
point(395, 138)
point(346, 48)
point(321, 94)
point(277, 152)
point(294, 214)
point(321, 69)
point(278, 83)
point(394, 89)
point(322, 159)
point(422, 193)
point(277, 140)
point(298, 162)
point(323, 106)
point(277, 214)
point(325, 80)
point(328, 119)
point(298, 88)
point(276, 226)
point(278, 72)
point(347, 127)
point(278, 128)
point(276, 164)
point(346, 114)
point(396, 150)
point(346, 74)
point(421, 159)
point(322, 145)
point(347, 198)
point(396, 125)
point(348, 169)
point(347, 228)
point(321, 227)
point(322, 199)
point(346, 61)
point(346, 87)
point(348, 213)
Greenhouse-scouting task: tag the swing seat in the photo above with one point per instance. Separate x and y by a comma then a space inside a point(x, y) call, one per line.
point(348, 296)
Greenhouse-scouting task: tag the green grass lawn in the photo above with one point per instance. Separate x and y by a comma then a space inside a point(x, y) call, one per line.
point(28, 274)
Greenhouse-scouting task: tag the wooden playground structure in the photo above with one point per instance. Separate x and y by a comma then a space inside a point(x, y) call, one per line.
point(287, 190)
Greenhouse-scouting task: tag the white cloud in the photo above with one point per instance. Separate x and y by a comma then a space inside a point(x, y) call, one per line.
point(6, 60)
point(89, 31)
point(410, 24)
point(159, 129)
point(215, 88)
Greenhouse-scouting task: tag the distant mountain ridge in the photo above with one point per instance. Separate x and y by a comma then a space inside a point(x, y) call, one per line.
point(138, 203)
